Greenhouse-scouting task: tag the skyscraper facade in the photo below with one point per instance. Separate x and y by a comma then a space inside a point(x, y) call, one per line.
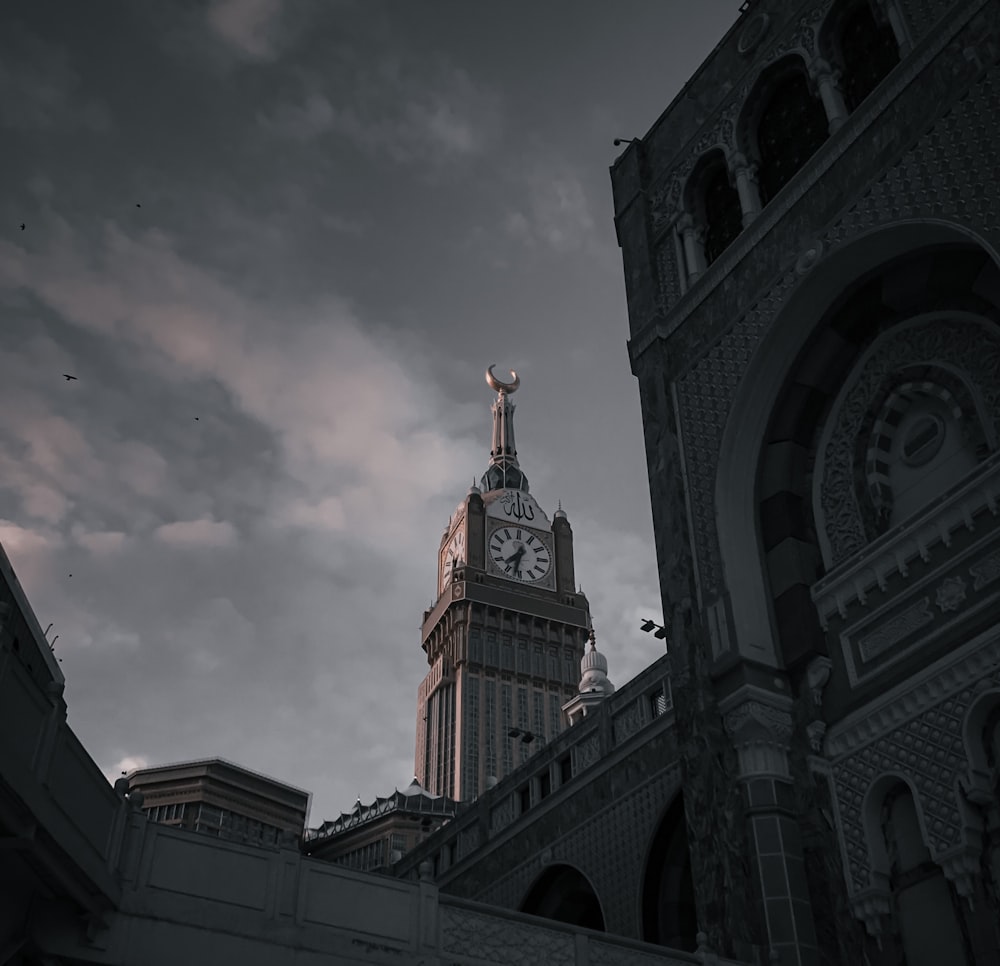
point(506, 634)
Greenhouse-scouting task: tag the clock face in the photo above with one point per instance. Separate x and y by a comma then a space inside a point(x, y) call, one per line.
point(454, 551)
point(519, 554)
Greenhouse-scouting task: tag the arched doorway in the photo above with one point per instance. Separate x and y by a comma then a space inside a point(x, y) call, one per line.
point(564, 894)
point(669, 917)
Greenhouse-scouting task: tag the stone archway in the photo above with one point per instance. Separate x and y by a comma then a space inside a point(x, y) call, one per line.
point(792, 335)
point(564, 894)
point(669, 916)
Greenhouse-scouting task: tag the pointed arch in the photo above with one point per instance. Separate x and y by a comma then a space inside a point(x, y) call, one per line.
point(563, 893)
point(668, 916)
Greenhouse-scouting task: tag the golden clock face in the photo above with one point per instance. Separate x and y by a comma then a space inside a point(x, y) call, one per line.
point(519, 554)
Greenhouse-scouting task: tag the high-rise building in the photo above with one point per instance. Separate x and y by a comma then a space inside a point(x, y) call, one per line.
point(505, 637)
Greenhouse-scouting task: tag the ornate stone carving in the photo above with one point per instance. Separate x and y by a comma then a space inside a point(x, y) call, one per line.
point(777, 723)
point(809, 257)
point(873, 907)
point(753, 33)
point(501, 815)
point(628, 722)
point(929, 749)
point(950, 593)
point(895, 629)
point(985, 571)
point(962, 344)
point(817, 676)
point(961, 866)
point(815, 730)
point(587, 752)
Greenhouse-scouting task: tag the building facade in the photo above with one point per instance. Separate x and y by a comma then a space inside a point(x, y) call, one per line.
point(505, 637)
point(810, 238)
point(218, 798)
point(370, 838)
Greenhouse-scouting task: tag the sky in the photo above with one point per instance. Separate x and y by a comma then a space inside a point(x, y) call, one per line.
point(278, 242)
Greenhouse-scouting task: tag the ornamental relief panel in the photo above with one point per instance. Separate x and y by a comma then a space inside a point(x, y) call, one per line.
point(930, 751)
point(969, 347)
point(948, 168)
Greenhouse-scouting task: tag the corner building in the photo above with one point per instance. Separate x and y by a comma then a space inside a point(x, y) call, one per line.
point(810, 237)
point(505, 637)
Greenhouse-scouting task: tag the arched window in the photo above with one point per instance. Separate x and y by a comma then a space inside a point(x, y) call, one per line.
point(868, 51)
point(792, 126)
point(723, 215)
point(926, 919)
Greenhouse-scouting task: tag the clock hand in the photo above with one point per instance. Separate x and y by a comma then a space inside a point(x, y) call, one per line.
point(517, 554)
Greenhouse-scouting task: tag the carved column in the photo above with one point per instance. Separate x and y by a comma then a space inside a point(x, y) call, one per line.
point(694, 250)
point(828, 81)
point(759, 725)
point(892, 14)
point(745, 174)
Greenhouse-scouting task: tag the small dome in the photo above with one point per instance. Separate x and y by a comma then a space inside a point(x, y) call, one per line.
point(560, 514)
point(474, 490)
point(594, 670)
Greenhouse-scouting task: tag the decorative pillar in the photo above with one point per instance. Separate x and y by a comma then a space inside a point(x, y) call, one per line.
point(828, 81)
point(694, 251)
point(745, 174)
point(759, 725)
point(892, 14)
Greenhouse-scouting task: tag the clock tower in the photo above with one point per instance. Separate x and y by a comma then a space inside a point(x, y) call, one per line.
point(506, 634)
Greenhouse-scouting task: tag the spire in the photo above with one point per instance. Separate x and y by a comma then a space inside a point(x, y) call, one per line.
point(503, 471)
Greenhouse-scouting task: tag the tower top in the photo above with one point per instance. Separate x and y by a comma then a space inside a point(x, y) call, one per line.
point(503, 473)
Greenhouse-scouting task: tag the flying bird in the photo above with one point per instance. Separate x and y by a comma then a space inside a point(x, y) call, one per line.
point(67, 376)
point(138, 205)
point(22, 226)
point(196, 419)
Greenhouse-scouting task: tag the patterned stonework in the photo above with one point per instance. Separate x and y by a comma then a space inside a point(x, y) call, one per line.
point(629, 721)
point(608, 845)
point(948, 173)
point(587, 752)
point(929, 749)
point(502, 815)
point(895, 629)
point(473, 935)
point(468, 841)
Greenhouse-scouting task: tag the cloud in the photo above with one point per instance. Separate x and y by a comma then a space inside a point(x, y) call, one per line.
point(42, 89)
point(101, 544)
point(555, 213)
point(248, 25)
point(197, 534)
point(432, 114)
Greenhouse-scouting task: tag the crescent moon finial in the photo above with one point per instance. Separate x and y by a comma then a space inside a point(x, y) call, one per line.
point(498, 386)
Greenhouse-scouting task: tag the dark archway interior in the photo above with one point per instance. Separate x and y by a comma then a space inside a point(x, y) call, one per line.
point(562, 893)
point(669, 916)
point(954, 276)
